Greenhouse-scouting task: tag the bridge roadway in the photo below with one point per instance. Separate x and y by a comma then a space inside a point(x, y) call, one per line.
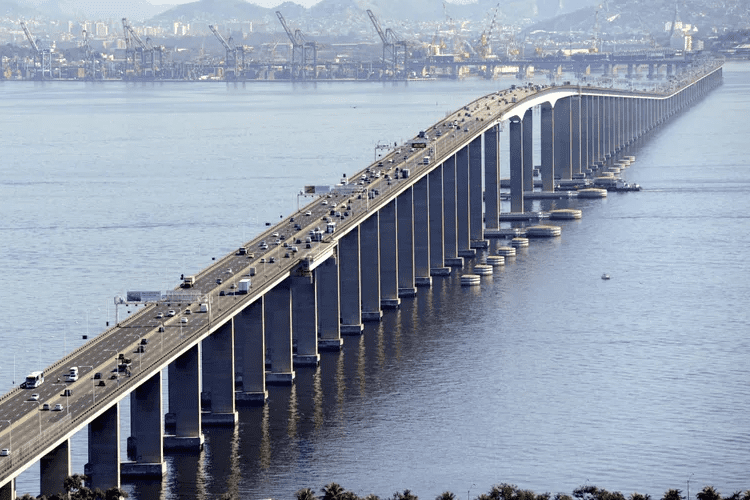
point(30, 433)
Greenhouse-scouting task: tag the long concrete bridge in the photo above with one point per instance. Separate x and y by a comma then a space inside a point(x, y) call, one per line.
point(394, 226)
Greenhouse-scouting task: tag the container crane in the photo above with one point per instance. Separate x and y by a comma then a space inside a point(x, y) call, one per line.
point(484, 47)
point(232, 66)
point(41, 54)
point(391, 43)
point(138, 55)
point(301, 47)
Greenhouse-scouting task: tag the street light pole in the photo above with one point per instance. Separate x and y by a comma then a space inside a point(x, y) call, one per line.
point(38, 413)
point(93, 386)
point(10, 426)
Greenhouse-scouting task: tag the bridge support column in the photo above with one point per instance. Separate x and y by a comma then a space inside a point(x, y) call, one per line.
point(279, 334)
point(437, 243)
point(491, 180)
point(463, 237)
point(597, 132)
point(305, 320)
point(450, 225)
point(405, 238)
point(146, 441)
point(516, 164)
point(575, 135)
point(351, 295)
point(369, 237)
point(585, 134)
point(185, 402)
point(218, 376)
point(249, 326)
point(476, 201)
point(329, 303)
point(422, 233)
point(547, 131)
point(562, 136)
point(528, 151)
point(389, 257)
point(54, 467)
point(103, 467)
point(8, 491)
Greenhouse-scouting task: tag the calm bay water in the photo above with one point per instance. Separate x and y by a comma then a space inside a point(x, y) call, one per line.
point(546, 376)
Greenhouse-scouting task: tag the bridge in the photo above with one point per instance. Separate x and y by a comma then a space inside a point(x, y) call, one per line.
point(293, 291)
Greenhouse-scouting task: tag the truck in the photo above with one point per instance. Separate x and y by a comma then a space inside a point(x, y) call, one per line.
point(243, 286)
point(426, 160)
point(203, 308)
point(242, 251)
point(330, 227)
point(188, 282)
point(405, 173)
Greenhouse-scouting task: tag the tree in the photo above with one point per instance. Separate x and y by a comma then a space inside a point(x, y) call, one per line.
point(639, 496)
point(562, 496)
point(446, 495)
point(673, 495)
point(503, 491)
point(305, 494)
point(406, 495)
point(115, 493)
point(332, 491)
point(708, 493)
point(74, 483)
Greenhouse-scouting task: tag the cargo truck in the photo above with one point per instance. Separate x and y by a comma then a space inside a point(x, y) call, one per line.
point(243, 286)
point(188, 282)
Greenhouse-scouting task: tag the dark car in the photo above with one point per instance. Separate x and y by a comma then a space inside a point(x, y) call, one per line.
point(144, 341)
point(97, 375)
point(101, 383)
point(67, 393)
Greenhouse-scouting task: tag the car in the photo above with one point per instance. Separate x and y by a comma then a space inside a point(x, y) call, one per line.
point(183, 320)
point(57, 407)
point(34, 397)
point(188, 311)
point(67, 393)
point(275, 234)
point(262, 260)
point(113, 376)
point(218, 281)
point(101, 384)
point(291, 219)
point(171, 313)
point(141, 349)
point(144, 341)
point(308, 213)
point(161, 329)
point(272, 260)
point(222, 293)
point(4, 452)
point(232, 286)
point(159, 315)
point(97, 375)
point(45, 406)
point(325, 202)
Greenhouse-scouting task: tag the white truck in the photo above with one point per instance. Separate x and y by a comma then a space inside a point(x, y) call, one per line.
point(243, 286)
point(188, 282)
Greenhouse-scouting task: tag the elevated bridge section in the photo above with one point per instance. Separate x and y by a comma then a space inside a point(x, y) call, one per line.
point(296, 289)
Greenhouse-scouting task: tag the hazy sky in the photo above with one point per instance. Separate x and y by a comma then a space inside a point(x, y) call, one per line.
point(262, 3)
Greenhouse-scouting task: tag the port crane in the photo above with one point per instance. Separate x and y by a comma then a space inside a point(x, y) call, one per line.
point(302, 48)
point(139, 55)
point(233, 66)
point(391, 44)
point(42, 56)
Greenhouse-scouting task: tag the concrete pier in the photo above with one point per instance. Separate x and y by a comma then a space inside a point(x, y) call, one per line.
point(146, 441)
point(389, 257)
point(369, 238)
point(249, 326)
point(328, 297)
point(351, 297)
point(422, 233)
point(185, 381)
point(405, 237)
point(305, 319)
point(54, 467)
point(279, 334)
point(103, 467)
point(218, 376)
point(450, 218)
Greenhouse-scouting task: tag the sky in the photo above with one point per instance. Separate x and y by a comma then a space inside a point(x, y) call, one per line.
point(262, 3)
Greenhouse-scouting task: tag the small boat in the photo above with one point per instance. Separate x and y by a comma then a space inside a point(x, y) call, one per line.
point(605, 276)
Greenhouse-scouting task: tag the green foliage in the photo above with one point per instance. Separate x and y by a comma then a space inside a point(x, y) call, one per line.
point(708, 493)
point(639, 496)
point(406, 495)
point(673, 495)
point(562, 496)
point(446, 495)
point(305, 494)
point(332, 491)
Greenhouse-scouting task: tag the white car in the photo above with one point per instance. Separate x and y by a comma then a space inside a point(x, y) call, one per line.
point(4, 452)
point(159, 315)
point(308, 213)
point(183, 320)
point(171, 313)
point(58, 407)
point(34, 397)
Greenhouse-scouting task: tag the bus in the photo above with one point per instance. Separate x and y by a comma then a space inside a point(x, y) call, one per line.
point(34, 379)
